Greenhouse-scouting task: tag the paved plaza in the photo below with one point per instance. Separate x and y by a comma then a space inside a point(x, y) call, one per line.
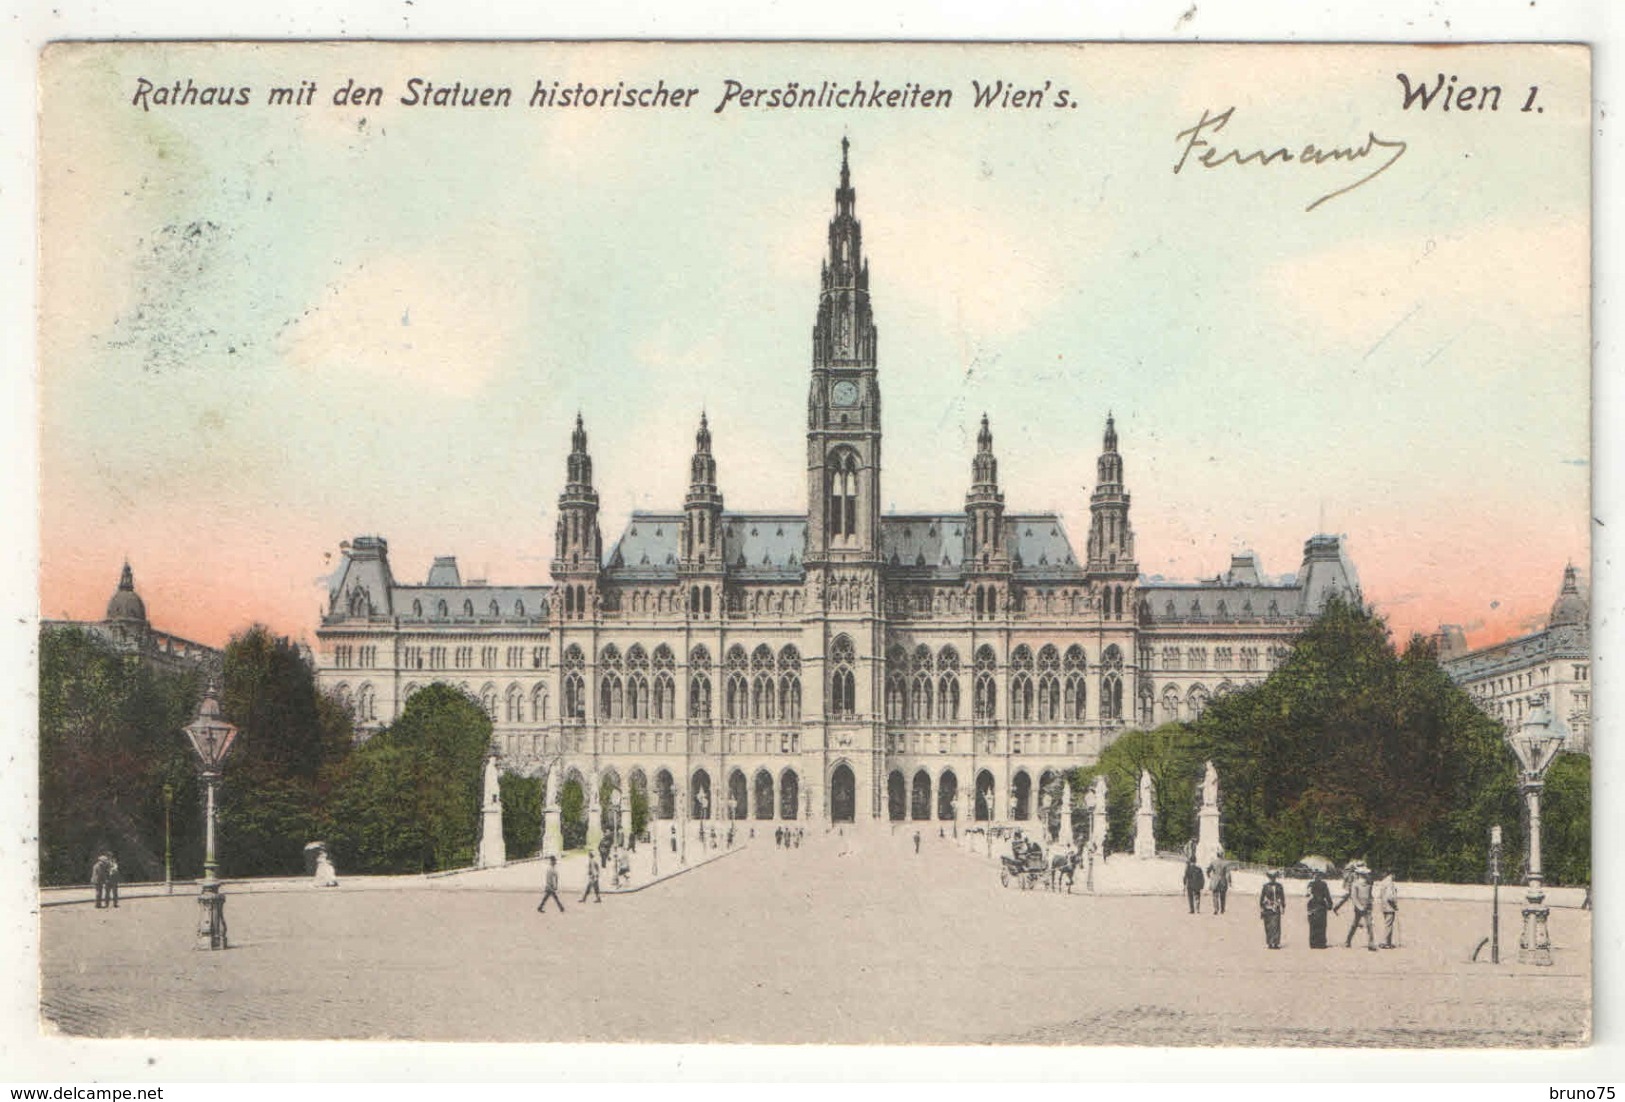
point(850, 939)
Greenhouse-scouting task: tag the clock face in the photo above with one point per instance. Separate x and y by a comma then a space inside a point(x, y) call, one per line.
point(844, 393)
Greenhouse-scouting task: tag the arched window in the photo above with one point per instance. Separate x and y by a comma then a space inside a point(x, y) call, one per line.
point(1170, 705)
point(790, 684)
point(1049, 685)
point(948, 685)
point(417, 608)
point(843, 692)
point(699, 684)
point(896, 685)
point(665, 685)
point(611, 690)
point(763, 694)
point(519, 608)
point(488, 701)
point(1074, 694)
point(637, 682)
point(1111, 684)
point(468, 607)
point(1021, 685)
point(1196, 701)
point(920, 710)
point(738, 688)
point(841, 516)
point(987, 686)
point(441, 610)
point(575, 685)
point(538, 705)
point(366, 704)
point(515, 710)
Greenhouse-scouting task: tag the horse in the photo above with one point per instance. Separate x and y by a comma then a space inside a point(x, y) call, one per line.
point(1063, 865)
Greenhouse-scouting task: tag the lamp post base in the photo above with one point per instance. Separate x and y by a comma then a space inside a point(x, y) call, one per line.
point(1536, 945)
point(211, 918)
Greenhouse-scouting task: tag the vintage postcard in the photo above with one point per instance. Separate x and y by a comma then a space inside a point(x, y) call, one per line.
point(816, 543)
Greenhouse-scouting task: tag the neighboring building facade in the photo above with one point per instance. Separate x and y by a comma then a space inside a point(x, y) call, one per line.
point(1508, 678)
point(829, 662)
point(128, 631)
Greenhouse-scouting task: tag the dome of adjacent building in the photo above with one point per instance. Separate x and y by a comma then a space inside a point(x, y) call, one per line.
point(126, 604)
point(1571, 606)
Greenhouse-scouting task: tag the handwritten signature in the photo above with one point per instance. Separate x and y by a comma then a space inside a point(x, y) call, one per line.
point(1210, 156)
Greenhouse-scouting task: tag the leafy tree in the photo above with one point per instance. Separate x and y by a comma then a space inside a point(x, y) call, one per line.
point(271, 795)
point(1565, 821)
point(521, 814)
point(284, 728)
point(408, 799)
point(109, 740)
point(573, 814)
point(1170, 755)
point(1355, 751)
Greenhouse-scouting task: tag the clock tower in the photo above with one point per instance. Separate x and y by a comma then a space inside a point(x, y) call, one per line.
point(843, 407)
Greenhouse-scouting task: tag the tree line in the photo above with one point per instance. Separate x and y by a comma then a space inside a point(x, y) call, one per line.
point(1351, 749)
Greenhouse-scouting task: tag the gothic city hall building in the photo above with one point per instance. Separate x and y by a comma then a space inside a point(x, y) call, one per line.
point(829, 663)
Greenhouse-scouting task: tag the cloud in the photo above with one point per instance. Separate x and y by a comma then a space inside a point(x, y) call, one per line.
point(441, 323)
point(1536, 271)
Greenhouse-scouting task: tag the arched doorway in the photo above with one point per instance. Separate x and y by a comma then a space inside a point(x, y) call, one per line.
point(610, 796)
point(843, 795)
point(1048, 796)
point(738, 796)
point(665, 797)
point(764, 794)
point(1021, 795)
point(573, 811)
point(789, 795)
point(948, 795)
point(637, 786)
point(896, 797)
point(700, 795)
point(920, 803)
point(984, 797)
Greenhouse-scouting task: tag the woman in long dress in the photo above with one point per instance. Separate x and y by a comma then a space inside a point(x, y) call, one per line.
point(1320, 901)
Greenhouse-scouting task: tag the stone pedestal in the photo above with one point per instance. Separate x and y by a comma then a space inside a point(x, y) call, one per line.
point(552, 834)
point(1145, 834)
point(493, 850)
point(1145, 820)
point(1208, 845)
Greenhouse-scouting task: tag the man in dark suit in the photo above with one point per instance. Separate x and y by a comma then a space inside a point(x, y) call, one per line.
point(1193, 885)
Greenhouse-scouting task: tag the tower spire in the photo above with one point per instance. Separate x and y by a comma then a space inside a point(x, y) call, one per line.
point(844, 334)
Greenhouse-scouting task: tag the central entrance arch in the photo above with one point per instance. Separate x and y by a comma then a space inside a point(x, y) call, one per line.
point(843, 795)
point(920, 805)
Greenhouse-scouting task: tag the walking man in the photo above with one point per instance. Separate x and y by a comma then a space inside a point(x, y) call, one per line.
point(1387, 898)
point(1218, 882)
point(112, 879)
point(916, 842)
point(592, 882)
point(1271, 903)
point(1193, 885)
point(1360, 891)
point(551, 887)
point(1320, 901)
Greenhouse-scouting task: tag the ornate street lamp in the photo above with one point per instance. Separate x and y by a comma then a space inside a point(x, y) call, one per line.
point(211, 737)
point(1536, 743)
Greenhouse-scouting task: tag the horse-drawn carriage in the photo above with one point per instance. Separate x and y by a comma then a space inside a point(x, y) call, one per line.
point(1026, 870)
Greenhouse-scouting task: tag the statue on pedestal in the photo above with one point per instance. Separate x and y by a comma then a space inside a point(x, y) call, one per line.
point(1145, 821)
